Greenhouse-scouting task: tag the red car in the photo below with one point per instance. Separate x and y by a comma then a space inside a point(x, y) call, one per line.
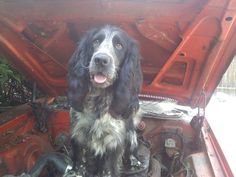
point(186, 47)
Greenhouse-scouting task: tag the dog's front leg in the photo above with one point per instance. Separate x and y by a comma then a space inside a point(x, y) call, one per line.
point(94, 164)
point(131, 143)
point(114, 160)
point(77, 153)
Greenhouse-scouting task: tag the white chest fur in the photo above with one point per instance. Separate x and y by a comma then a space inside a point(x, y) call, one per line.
point(107, 133)
point(100, 135)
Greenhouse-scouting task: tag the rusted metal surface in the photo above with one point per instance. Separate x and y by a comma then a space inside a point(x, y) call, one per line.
point(183, 42)
point(186, 46)
point(21, 144)
point(157, 129)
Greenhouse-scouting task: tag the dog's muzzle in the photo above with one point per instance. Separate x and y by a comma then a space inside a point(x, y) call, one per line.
point(101, 65)
point(102, 60)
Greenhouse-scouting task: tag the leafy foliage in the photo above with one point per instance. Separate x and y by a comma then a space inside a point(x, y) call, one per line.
point(7, 73)
point(14, 89)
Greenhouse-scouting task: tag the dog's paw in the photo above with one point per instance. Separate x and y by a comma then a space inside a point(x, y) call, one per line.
point(78, 172)
point(72, 173)
point(106, 174)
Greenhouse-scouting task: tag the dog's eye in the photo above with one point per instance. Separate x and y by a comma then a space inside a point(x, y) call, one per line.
point(118, 46)
point(96, 43)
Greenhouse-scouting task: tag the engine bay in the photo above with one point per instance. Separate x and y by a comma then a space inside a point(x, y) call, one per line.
point(35, 142)
point(186, 47)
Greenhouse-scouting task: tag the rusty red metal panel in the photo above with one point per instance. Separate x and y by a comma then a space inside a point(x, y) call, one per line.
point(21, 144)
point(183, 42)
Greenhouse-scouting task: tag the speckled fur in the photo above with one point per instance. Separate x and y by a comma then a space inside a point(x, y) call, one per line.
point(100, 132)
point(103, 115)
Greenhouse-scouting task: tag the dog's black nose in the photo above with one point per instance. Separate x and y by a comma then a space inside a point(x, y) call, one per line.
point(101, 60)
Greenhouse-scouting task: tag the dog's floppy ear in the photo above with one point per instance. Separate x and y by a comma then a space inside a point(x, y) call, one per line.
point(78, 75)
point(128, 84)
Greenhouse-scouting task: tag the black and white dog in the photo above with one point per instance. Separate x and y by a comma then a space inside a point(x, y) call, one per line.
point(104, 81)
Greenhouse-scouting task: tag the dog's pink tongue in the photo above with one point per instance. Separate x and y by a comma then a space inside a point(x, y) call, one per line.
point(99, 78)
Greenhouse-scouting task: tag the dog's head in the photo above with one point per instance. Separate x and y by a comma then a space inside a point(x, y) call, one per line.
point(110, 45)
point(105, 57)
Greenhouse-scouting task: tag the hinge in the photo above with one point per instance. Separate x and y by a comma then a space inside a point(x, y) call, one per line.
point(34, 92)
point(197, 121)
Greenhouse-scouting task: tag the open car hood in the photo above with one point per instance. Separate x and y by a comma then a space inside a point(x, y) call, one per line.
point(186, 44)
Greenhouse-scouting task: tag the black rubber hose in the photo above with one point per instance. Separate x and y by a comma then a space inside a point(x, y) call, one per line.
point(59, 161)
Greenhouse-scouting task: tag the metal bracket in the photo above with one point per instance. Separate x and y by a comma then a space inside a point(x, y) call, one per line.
point(197, 121)
point(41, 112)
point(34, 92)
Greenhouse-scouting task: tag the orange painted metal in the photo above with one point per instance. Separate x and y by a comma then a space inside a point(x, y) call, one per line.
point(183, 43)
point(186, 47)
point(21, 144)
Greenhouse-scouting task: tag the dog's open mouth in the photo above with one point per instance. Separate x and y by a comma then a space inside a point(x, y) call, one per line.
point(99, 78)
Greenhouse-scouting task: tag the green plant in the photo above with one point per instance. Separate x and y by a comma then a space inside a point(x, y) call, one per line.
point(13, 87)
point(7, 73)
